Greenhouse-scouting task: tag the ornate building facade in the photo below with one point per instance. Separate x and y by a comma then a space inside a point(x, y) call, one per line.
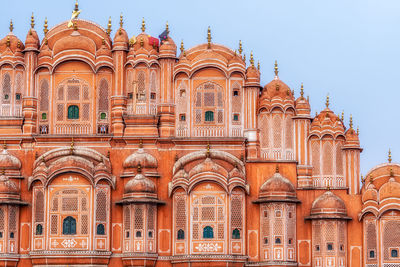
point(119, 152)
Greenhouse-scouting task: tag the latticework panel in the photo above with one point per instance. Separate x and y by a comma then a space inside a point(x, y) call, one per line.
point(277, 130)
point(12, 218)
point(44, 96)
point(60, 93)
point(151, 217)
point(6, 88)
point(138, 223)
point(101, 206)
point(289, 132)
point(315, 155)
point(19, 88)
point(339, 159)
point(327, 157)
point(291, 224)
point(73, 92)
point(2, 218)
point(127, 218)
point(236, 98)
point(391, 237)
point(370, 238)
point(103, 96)
point(236, 212)
point(265, 225)
point(317, 237)
point(264, 130)
point(141, 86)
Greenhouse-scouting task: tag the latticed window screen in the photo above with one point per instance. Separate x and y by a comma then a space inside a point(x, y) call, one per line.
point(289, 132)
point(264, 129)
point(18, 88)
point(265, 225)
point(6, 88)
point(208, 216)
point(60, 95)
point(73, 203)
point(44, 96)
point(39, 206)
point(339, 159)
point(236, 214)
point(141, 86)
point(208, 100)
point(327, 157)
point(138, 223)
point(277, 130)
point(391, 236)
point(127, 218)
point(315, 155)
point(180, 214)
point(370, 239)
point(236, 99)
point(73, 92)
point(101, 206)
point(103, 96)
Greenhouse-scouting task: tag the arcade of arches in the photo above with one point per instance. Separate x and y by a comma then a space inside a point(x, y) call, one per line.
point(119, 152)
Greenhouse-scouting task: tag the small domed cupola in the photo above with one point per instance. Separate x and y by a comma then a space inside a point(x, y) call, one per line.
point(277, 88)
point(302, 104)
point(168, 47)
point(327, 120)
point(277, 189)
point(328, 206)
point(252, 74)
point(32, 39)
point(121, 39)
point(352, 140)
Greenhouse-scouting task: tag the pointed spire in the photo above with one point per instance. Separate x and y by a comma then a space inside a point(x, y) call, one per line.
point(342, 115)
point(327, 101)
point(76, 9)
point(351, 121)
point(358, 130)
point(167, 27)
point(182, 47)
point(32, 21)
point(251, 59)
point(390, 156)
point(121, 20)
point(276, 69)
point(109, 27)
point(11, 26)
point(208, 150)
point(258, 65)
point(45, 30)
point(301, 90)
point(143, 25)
point(244, 58)
point(209, 37)
point(240, 47)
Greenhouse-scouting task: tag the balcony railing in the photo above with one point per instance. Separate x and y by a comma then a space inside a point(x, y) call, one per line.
point(6, 111)
point(73, 128)
point(331, 181)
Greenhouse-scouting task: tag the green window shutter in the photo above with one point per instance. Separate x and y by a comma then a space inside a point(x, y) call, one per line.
point(209, 116)
point(73, 112)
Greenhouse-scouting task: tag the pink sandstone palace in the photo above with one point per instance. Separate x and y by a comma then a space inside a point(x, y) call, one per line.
point(119, 152)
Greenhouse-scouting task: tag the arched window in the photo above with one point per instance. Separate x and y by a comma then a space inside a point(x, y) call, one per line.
point(394, 253)
point(181, 234)
point(235, 234)
point(100, 229)
point(277, 240)
point(209, 116)
point(69, 226)
point(39, 229)
point(73, 112)
point(208, 232)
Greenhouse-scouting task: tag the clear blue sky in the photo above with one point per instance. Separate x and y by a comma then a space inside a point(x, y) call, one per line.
point(347, 49)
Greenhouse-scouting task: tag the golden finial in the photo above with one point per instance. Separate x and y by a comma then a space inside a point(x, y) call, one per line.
point(276, 68)
point(72, 146)
point(209, 37)
point(121, 20)
point(45, 30)
point(390, 156)
point(301, 90)
point(109, 26)
point(76, 9)
point(358, 130)
point(277, 169)
point(75, 26)
point(362, 178)
point(32, 21)
point(208, 150)
point(143, 25)
point(328, 188)
point(11, 26)
point(141, 143)
point(4, 145)
point(19, 44)
point(251, 59)
point(327, 101)
point(371, 179)
point(139, 168)
point(351, 121)
point(167, 27)
point(342, 115)
point(8, 41)
point(258, 65)
point(391, 173)
point(244, 58)
point(240, 47)
point(182, 47)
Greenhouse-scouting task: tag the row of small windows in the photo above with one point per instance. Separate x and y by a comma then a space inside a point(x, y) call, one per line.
point(208, 232)
point(329, 247)
point(17, 96)
point(208, 116)
point(278, 240)
point(68, 228)
point(11, 234)
point(278, 214)
point(139, 234)
point(141, 96)
point(73, 113)
point(394, 253)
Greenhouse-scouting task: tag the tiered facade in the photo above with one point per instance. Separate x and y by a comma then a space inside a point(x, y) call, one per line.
point(118, 152)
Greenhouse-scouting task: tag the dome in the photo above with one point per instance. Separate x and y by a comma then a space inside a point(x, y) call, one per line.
point(121, 39)
point(277, 188)
point(389, 189)
point(74, 41)
point(252, 76)
point(7, 187)
point(327, 120)
point(8, 161)
point(167, 48)
point(371, 194)
point(45, 50)
point(104, 50)
point(12, 42)
point(302, 104)
point(277, 88)
point(328, 206)
point(140, 184)
point(352, 138)
point(32, 40)
point(208, 166)
point(145, 160)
